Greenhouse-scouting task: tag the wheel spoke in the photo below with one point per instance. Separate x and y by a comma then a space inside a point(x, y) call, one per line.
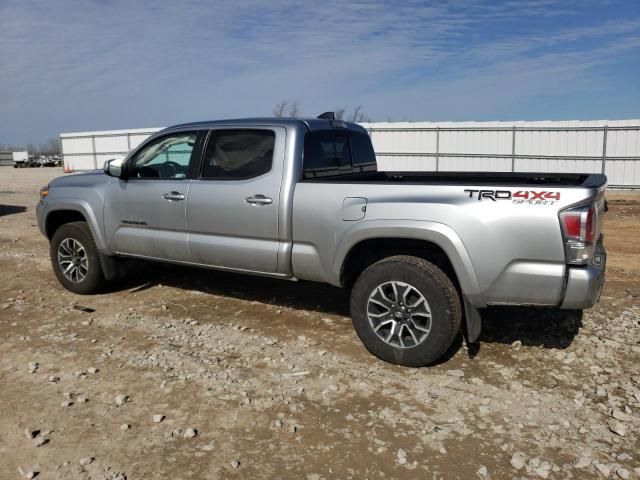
point(384, 296)
point(400, 339)
point(406, 292)
point(379, 303)
point(392, 331)
point(65, 247)
point(420, 300)
point(415, 340)
point(394, 287)
point(382, 324)
point(418, 327)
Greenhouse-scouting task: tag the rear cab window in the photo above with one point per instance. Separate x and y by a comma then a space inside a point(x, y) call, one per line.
point(328, 153)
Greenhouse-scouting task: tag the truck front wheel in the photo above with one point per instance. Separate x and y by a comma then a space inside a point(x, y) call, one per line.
point(75, 260)
point(406, 310)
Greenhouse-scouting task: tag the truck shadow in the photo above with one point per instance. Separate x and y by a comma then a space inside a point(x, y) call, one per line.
point(533, 327)
point(300, 295)
point(11, 209)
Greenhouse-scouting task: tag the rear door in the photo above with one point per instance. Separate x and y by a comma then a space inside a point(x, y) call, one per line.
point(145, 215)
point(232, 211)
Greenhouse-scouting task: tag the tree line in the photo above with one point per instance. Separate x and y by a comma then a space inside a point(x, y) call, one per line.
point(50, 147)
point(285, 108)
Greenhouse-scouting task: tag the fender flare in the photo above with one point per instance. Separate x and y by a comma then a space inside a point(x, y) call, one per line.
point(437, 233)
point(81, 206)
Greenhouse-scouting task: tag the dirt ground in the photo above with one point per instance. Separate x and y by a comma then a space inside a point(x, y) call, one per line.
point(274, 382)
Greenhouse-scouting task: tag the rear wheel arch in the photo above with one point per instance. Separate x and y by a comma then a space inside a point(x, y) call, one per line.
point(433, 241)
point(369, 251)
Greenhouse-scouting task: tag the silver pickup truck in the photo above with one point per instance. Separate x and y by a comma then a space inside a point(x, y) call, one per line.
point(302, 200)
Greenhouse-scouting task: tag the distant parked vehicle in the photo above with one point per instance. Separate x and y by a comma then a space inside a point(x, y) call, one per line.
point(49, 161)
point(20, 159)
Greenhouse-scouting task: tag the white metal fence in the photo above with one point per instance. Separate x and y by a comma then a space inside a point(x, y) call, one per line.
point(610, 147)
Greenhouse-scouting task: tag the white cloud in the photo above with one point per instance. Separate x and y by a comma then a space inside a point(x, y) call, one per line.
point(77, 65)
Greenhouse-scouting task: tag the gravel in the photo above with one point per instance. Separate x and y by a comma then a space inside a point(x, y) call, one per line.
point(271, 373)
point(190, 433)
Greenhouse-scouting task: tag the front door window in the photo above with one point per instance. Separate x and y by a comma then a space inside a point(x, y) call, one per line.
point(166, 158)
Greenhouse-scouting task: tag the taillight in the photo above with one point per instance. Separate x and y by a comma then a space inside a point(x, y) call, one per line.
point(579, 227)
point(590, 225)
point(572, 224)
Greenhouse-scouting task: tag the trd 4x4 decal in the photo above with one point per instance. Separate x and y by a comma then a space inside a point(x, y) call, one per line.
point(529, 197)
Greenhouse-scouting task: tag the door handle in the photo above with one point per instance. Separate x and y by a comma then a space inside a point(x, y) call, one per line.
point(173, 196)
point(258, 200)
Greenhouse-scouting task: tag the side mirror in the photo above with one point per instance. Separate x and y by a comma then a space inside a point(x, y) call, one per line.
point(113, 167)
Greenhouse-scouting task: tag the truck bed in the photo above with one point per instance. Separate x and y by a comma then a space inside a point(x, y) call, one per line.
point(470, 178)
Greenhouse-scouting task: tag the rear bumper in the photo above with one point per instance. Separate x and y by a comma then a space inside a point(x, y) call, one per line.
point(584, 284)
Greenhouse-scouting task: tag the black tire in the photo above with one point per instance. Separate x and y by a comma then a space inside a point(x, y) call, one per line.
point(93, 280)
point(440, 294)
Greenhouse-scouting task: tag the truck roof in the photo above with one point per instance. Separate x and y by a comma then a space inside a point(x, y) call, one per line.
point(308, 123)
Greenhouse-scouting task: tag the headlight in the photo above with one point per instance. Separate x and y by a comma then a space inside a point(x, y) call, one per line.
point(44, 191)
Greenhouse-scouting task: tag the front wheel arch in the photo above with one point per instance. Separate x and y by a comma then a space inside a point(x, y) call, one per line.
point(57, 218)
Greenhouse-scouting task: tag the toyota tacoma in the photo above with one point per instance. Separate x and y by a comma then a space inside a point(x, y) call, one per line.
point(301, 199)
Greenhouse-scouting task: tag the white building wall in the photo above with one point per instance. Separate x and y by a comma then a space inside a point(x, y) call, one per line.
point(545, 146)
point(89, 150)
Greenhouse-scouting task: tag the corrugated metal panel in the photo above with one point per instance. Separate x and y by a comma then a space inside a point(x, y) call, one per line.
point(541, 146)
point(79, 162)
point(6, 158)
point(89, 150)
point(410, 163)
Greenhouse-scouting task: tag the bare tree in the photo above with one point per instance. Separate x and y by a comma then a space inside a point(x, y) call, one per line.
point(356, 115)
point(280, 108)
point(294, 110)
point(50, 147)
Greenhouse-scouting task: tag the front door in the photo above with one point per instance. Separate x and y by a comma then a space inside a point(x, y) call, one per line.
point(145, 215)
point(232, 211)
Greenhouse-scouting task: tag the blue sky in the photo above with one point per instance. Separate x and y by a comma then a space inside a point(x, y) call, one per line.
point(88, 65)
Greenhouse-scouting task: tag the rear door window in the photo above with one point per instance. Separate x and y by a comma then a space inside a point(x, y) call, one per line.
point(238, 154)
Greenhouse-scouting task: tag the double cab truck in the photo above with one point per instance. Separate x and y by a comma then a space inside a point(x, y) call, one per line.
point(301, 199)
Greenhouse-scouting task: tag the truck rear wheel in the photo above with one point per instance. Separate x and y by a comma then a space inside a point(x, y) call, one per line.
point(406, 310)
point(75, 260)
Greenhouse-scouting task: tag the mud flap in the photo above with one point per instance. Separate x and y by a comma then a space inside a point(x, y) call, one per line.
point(111, 267)
point(473, 322)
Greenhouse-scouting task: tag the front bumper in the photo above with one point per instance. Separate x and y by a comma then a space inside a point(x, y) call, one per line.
point(40, 215)
point(584, 284)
